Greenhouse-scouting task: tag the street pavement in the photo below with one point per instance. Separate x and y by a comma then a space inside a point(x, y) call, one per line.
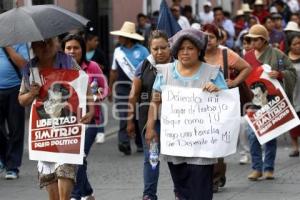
point(118, 177)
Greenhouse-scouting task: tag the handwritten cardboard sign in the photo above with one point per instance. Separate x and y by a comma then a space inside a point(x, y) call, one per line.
point(55, 134)
point(199, 124)
point(275, 115)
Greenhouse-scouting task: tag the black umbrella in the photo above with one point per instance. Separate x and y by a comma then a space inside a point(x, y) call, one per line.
point(34, 23)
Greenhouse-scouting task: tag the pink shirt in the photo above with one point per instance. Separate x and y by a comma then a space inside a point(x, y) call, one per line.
point(94, 71)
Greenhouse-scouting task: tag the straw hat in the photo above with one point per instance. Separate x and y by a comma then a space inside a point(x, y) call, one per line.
point(258, 31)
point(246, 8)
point(239, 13)
point(292, 26)
point(196, 26)
point(259, 3)
point(128, 31)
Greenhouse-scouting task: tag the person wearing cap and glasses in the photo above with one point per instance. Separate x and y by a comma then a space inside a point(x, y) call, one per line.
point(285, 73)
point(126, 59)
point(192, 176)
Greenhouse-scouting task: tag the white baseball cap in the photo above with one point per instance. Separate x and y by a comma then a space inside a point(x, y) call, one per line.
point(207, 3)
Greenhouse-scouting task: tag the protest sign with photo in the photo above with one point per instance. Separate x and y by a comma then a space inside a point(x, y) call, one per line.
point(271, 113)
point(55, 134)
point(199, 124)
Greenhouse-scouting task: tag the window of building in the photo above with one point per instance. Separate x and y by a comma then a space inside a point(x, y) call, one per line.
point(41, 2)
point(5, 5)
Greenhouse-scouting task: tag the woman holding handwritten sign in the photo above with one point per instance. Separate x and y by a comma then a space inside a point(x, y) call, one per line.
point(192, 176)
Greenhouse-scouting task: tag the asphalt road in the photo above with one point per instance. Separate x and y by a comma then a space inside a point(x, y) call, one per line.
point(115, 176)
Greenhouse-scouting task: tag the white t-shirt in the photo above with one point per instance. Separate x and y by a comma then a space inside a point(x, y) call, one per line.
point(206, 18)
point(183, 22)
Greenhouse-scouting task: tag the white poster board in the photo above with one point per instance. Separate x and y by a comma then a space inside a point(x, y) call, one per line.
point(199, 124)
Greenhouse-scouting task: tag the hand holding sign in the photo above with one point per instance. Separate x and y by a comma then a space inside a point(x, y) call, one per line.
point(34, 89)
point(274, 114)
point(210, 87)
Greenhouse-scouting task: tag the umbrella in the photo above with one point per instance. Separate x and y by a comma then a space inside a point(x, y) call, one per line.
point(34, 23)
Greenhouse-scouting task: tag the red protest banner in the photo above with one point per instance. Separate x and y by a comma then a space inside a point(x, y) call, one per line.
point(271, 113)
point(55, 132)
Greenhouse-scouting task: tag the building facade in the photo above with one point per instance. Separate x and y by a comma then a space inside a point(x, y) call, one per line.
point(108, 15)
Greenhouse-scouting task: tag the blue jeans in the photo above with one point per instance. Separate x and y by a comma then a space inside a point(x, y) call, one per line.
point(150, 175)
point(11, 141)
point(83, 187)
point(258, 163)
point(101, 126)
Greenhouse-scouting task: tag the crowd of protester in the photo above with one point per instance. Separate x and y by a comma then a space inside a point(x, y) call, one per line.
point(264, 33)
point(268, 32)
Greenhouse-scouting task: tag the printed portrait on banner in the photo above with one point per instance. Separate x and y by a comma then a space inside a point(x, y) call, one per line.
point(55, 130)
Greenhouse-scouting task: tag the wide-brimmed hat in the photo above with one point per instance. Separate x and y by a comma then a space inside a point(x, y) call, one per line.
point(246, 8)
point(258, 31)
point(240, 13)
point(259, 3)
point(128, 31)
point(292, 26)
point(196, 36)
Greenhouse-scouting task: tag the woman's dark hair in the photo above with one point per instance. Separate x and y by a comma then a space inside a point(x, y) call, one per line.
point(58, 87)
point(223, 33)
point(245, 38)
point(212, 29)
point(265, 19)
point(202, 51)
point(260, 85)
point(155, 34)
point(89, 36)
point(289, 38)
point(218, 8)
point(81, 42)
